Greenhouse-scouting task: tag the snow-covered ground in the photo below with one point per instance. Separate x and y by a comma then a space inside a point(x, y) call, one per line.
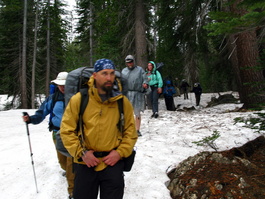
point(166, 141)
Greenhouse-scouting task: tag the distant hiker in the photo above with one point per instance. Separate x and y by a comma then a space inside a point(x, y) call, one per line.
point(184, 87)
point(54, 105)
point(197, 91)
point(168, 93)
point(99, 146)
point(156, 84)
point(137, 84)
point(176, 84)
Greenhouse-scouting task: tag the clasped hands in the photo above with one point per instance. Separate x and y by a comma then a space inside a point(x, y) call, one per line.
point(92, 161)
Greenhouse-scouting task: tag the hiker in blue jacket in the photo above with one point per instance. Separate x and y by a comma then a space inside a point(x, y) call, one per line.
point(168, 92)
point(54, 106)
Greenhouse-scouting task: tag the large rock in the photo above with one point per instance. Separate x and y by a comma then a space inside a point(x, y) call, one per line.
point(232, 174)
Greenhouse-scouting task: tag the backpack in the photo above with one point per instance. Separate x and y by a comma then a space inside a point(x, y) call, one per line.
point(159, 67)
point(78, 78)
point(55, 98)
point(76, 81)
point(52, 88)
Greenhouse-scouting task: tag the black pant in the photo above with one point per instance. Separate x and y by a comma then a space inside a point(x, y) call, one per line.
point(109, 181)
point(198, 99)
point(170, 103)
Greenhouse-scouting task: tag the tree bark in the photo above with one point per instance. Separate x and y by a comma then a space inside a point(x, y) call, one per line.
point(48, 66)
point(231, 45)
point(34, 59)
point(140, 34)
point(91, 34)
point(24, 103)
point(252, 90)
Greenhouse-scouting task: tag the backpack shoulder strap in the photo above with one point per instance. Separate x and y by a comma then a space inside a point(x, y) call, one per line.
point(83, 104)
point(84, 100)
point(120, 124)
point(55, 96)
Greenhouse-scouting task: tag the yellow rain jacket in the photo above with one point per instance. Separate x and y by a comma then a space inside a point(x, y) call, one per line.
point(100, 126)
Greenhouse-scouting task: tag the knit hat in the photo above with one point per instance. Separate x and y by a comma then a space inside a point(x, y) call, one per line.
point(102, 64)
point(60, 79)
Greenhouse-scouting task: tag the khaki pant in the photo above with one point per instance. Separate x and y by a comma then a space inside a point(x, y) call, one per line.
point(66, 164)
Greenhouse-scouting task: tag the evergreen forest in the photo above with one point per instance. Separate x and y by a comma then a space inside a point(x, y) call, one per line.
point(219, 43)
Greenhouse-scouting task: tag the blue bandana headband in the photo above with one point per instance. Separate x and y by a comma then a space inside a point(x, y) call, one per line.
point(102, 64)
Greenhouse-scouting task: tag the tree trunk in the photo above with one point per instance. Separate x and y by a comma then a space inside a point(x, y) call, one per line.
point(252, 92)
point(252, 89)
point(140, 34)
point(231, 45)
point(34, 59)
point(24, 104)
point(48, 66)
point(91, 34)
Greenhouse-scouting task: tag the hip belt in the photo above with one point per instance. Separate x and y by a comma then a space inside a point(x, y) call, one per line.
point(100, 154)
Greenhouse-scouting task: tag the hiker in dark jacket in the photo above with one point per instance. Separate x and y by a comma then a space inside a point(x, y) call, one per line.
point(176, 84)
point(168, 93)
point(197, 91)
point(54, 106)
point(185, 88)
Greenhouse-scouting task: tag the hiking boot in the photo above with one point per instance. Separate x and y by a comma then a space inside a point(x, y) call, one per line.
point(153, 115)
point(139, 133)
point(156, 115)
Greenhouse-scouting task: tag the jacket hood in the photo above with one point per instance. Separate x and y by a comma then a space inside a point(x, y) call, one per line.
point(154, 69)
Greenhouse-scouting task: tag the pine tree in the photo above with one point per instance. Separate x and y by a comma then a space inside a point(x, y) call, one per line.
point(241, 20)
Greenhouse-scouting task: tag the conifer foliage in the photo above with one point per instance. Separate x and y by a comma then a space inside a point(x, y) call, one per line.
point(12, 15)
point(217, 43)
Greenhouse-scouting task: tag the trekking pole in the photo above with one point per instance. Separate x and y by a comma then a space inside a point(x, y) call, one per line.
point(31, 154)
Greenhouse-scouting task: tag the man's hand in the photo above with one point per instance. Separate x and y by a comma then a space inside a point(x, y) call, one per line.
point(112, 158)
point(145, 86)
point(90, 159)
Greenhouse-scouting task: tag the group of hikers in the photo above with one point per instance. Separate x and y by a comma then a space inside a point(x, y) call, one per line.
point(99, 148)
point(172, 88)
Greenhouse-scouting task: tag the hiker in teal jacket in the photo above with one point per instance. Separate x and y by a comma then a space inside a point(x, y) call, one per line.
point(156, 84)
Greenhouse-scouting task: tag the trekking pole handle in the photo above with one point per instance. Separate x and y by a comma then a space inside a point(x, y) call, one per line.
point(26, 114)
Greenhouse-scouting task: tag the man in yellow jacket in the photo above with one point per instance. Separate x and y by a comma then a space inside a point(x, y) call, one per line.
point(99, 157)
